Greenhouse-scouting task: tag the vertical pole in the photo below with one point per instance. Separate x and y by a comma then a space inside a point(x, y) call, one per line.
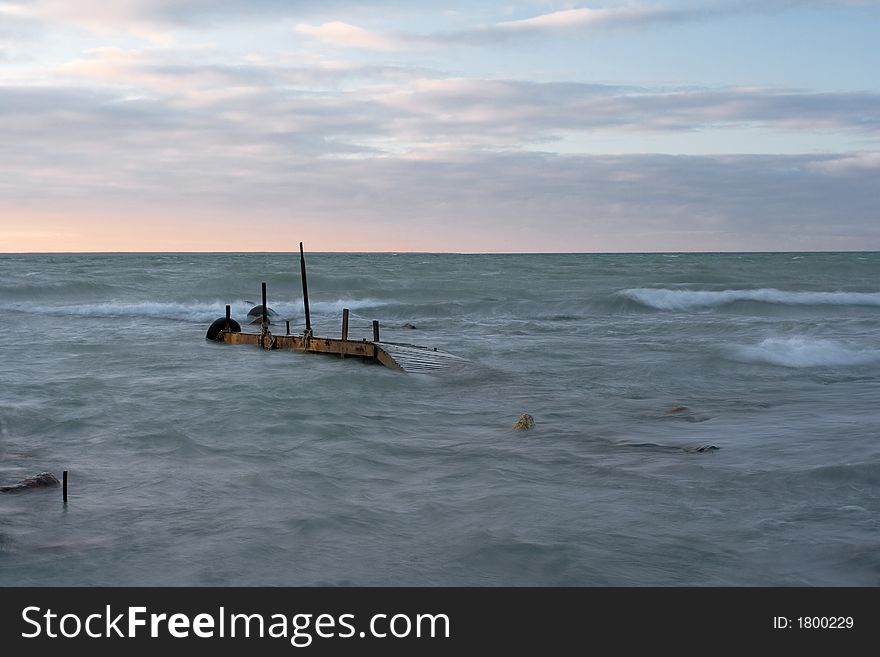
point(375, 330)
point(228, 315)
point(64, 486)
point(288, 327)
point(302, 266)
point(344, 326)
point(265, 310)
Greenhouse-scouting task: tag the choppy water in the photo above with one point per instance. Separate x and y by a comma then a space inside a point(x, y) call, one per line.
point(196, 463)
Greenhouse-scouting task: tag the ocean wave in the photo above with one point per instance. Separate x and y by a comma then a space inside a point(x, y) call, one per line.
point(195, 311)
point(797, 352)
point(670, 299)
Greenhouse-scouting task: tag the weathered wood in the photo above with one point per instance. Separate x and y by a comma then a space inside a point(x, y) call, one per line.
point(375, 330)
point(406, 357)
point(265, 307)
point(228, 316)
point(344, 327)
point(307, 344)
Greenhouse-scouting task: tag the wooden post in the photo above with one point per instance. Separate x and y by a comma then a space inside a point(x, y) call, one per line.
point(64, 486)
point(265, 309)
point(375, 330)
point(302, 266)
point(228, 316)
point(344, 326)
point(288, 327)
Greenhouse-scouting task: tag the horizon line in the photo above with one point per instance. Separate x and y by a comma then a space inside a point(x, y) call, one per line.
point(392, 252)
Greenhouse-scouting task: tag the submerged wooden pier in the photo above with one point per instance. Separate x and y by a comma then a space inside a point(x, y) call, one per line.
point(398, 356)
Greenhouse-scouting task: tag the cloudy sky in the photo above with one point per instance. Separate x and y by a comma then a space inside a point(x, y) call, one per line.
point(392, 125)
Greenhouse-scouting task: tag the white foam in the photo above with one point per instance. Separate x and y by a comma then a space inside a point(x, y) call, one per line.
point(805, 352)
point(670, 299)
point(196, 311)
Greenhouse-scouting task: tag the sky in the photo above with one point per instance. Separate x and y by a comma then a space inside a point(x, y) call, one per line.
point(519, 126)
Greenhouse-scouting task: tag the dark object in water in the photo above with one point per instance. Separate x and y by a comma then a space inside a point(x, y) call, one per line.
point(220, 324)
point(524, 423)
point(41, 480)
point(408, 326)
point(691, 449)
point(257, 311)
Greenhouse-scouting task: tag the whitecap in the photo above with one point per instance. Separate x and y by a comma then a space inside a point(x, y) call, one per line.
point(195, 310)
point(797, 352)
point(672, 299)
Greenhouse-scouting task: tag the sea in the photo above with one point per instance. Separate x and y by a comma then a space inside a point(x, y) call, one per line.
point(700, 419)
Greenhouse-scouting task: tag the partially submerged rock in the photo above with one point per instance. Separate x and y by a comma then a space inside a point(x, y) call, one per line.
point(524, 422)
point(41, 480)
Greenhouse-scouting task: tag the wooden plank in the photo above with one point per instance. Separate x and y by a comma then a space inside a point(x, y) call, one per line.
point(406, 357)
point(312, 345)
point(347, 347)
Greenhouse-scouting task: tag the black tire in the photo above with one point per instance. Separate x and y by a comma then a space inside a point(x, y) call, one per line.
point(219, 325)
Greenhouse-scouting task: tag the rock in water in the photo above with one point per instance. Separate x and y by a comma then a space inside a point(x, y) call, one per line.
point(524, 422)
point(41, 480)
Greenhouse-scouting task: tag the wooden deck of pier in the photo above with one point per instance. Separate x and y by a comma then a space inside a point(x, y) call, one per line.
point(398, 356)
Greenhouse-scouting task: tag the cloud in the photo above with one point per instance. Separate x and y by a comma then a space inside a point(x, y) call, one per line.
point(95, 15)
point(505, 112)
point(156, 20)
point(496, 201)
point(571, 20)
point(289, 134)
point(437, 160)
point(156, 17)
point(350, 36)
point(336, 109)
point(162, 73)
point(586, 17)
point(867, 162)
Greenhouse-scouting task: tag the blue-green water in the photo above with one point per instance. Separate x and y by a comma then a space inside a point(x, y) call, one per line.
point(197, 463)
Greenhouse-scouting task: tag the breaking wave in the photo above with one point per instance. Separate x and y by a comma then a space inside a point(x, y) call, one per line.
point(196, 311)
point(799, 352)
point(667, 299)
